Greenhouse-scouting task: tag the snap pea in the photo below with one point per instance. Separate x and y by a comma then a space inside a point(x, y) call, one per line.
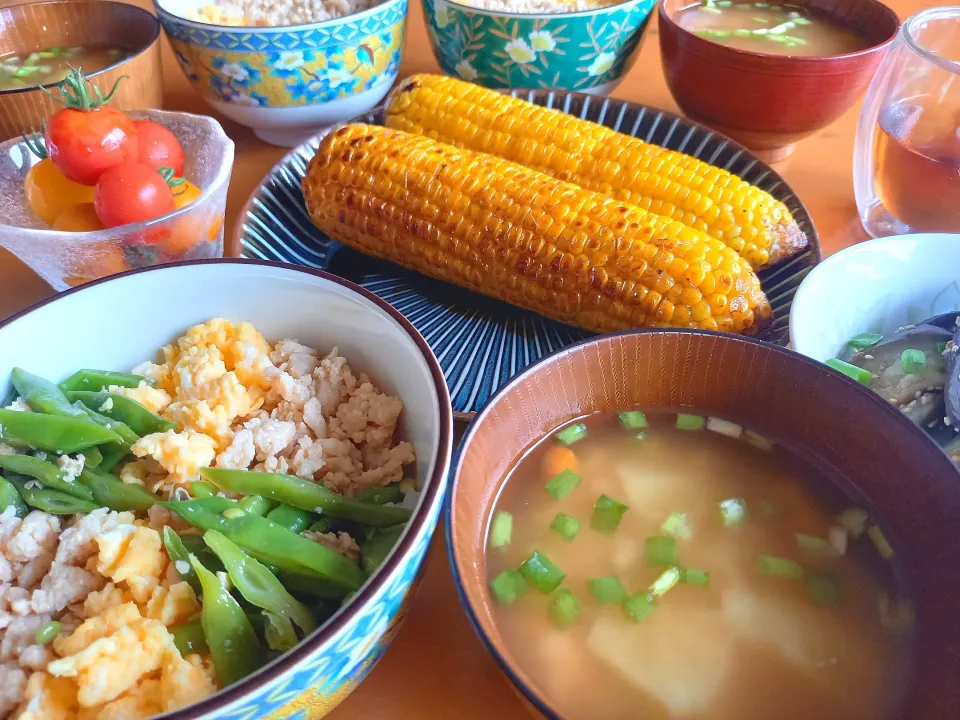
point(278, 632)
point(268, 542)
point(196, 546)
point(43, 395)
point(180, 558)
point(48, 632)
point(128, 436)
point(256, 584)
point(119, 407)
point(382, 495)
point(189, 637)
point(201, 489)
point(52, 433)
point(324, 524)
point(10, 497)
point(92, 457)
point(293, 519)
point(97, 380)
point(112, 492)
point(375, 550)
point(257, 505)
point(47, 473)
point(233, 644)
point(305, 495)
point(310, 585)
point(112, 455)
point(51, 501)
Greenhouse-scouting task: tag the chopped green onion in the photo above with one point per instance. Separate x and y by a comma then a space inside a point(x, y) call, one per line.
point(677, 525)
point(913, 362)
point(857, 373)
point(692, 576)
point(662, 550)
point(639, 606)
point(501, 529)
point(880, 542)
point(853, 520)
point(780, 567)
point(667, 579)
point(564, 608)
point(941, 347)
point(607, 590)
point(539, 571)
point(757, 440)
point(772, 508)
point(811, 542)
point(733, 511)
point(864, 340)
point(48, 632)
point(562, 484)
point(686, 421)
point(571, 434)
point(634, 420)
point(508, 586)
point(607, 514)
point(724, 427)
point(565, 526)
point(824, 589)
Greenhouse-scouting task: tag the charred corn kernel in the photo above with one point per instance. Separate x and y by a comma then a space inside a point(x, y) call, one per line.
point(706, 198)
point(492, 226)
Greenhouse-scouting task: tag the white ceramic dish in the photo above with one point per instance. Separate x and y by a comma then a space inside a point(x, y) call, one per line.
point(876, 286)
point(120, 321)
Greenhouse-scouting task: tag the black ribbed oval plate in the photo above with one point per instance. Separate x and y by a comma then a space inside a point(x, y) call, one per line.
point(481, 343)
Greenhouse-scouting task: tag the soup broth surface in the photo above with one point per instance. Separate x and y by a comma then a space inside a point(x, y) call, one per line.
point(774, 29)
point(44, 67)
point(780, 627)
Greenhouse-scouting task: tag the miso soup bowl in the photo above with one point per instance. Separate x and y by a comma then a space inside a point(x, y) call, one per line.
point(769, 102)
point(909, 483)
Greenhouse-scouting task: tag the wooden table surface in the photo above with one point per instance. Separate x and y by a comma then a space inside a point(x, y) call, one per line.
point(437, 668)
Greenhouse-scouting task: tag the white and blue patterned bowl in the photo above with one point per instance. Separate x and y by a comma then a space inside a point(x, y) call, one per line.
point(282, 302)
point(289, 82)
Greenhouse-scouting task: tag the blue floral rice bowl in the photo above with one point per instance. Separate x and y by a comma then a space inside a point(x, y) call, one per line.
point(289, 82)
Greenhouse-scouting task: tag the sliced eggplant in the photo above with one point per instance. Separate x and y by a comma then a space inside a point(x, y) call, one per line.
point(883, 360)
point(951, 393)
point(926, 410)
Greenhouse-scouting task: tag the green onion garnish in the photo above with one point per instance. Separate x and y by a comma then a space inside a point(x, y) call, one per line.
point(811, 542)
point(562, 484)
point(824, 589)
point(690, 422)
point(692, 576)
point(724, 427)
point(607, 514)
point(539, 571)
point(780, 567)
point(913, 362)
point(564, 608)
point(864, 340)
point(639, 606)
point(634, 420)
point(853, 520)
point(857, 373)
point(571, 434)
point(880, 542)
point(501, 529)
point(733, 511)
point(668, 578)
point(677, 525)
point(607, 590)
point(662, 550)
point(565, 526)
point(508, 586)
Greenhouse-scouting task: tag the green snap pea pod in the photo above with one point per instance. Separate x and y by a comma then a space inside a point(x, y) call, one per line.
point(52, 433)
point(189, 637)
point(258, 585)
point(97, 380)
point(112, 492)
point(305, 495)
point(92, 457)
point(128, 436)
point(257, 505)
point(180, 558)
point(112, 455)
point(119, 407)
point(310, 585)
point(196, 546)
point(324, 524)
point(382, 495)
point(9, 496)
point(47, 473)
point(43, 395)
point(51, 501)
point(270, 543)
point(375, 550)
point(201, 489)
point(278, 631)
point(233, 644)
point(293, 519)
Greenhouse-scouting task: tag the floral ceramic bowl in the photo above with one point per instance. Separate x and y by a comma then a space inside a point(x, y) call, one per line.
point(589, 51)
point(289, 82)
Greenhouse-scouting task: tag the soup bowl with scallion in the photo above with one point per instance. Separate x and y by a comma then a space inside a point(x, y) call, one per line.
point(678, 524)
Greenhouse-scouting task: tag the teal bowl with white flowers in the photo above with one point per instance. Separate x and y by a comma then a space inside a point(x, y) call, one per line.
point(585, 50)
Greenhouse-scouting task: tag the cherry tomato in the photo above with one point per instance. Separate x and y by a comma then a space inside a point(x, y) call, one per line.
point(185, 193)
point(158, 147)
point(49, 192)
point(95, 260)
point(78, 218)
point(131, 193)
point(85, 143)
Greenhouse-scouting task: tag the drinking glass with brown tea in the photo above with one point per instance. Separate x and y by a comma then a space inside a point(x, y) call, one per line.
point(906, 163)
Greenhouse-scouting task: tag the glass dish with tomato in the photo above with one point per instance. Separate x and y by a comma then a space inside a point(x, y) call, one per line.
point(97, 191)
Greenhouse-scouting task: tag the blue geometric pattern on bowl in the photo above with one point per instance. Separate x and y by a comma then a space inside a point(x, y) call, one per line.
point(481, 342)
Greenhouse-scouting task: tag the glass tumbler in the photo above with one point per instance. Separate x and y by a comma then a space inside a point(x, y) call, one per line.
point(906, 163)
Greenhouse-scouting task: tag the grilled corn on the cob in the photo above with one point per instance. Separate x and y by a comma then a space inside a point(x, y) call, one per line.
point(665, 182)
point(515, 234)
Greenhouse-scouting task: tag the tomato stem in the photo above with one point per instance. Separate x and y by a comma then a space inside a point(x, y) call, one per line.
point(34, 142)
point(168, 175)
point(75, 92)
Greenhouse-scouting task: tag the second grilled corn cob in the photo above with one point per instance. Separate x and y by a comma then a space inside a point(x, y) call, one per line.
point(515, 234)
point(665, 182)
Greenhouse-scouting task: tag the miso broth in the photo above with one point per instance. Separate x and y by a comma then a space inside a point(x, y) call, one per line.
point(45, 67)
point(641, 570)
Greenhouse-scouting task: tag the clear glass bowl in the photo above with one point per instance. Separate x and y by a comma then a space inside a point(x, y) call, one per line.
point(66, 259)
